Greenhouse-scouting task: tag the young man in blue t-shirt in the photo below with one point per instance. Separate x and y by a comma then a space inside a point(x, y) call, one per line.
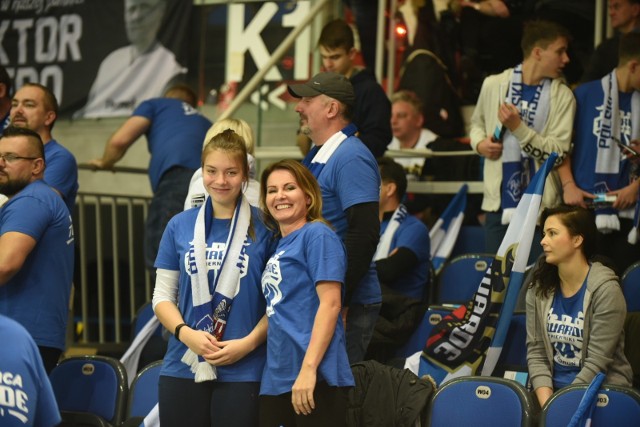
point(175, 131)
point(608, 120)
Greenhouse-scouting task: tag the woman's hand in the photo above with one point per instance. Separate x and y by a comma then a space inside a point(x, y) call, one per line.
point(302, 391)
point(229, 352)
point(200, 342)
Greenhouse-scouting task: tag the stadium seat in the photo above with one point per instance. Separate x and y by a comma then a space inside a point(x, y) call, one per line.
point(143, 395)
point(144, 313)
point(631, 287)
point(514, 353)
point(480, 402)
point(460, 277)
point(90, 390)
point(418, 339)
point(470, 240)
point(616, 407)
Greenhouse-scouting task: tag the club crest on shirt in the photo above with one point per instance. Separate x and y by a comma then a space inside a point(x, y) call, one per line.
point(271, 278)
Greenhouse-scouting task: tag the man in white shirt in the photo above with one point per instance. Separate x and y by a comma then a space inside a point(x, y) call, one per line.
point(408, 133)
point(134, 73)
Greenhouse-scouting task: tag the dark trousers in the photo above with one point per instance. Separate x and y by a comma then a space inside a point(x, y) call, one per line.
point(207, 404)
point(331, 409)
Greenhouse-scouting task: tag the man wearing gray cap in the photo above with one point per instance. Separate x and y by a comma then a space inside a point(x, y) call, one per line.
point(350, 182)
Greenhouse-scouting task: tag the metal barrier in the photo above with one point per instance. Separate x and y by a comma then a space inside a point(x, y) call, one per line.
point(111, 281)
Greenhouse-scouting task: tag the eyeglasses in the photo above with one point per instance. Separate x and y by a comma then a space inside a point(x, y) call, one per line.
point(10, 157)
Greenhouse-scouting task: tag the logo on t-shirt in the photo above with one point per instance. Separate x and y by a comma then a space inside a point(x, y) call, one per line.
point(271, 278)
point(13, 399)
point(565, 333)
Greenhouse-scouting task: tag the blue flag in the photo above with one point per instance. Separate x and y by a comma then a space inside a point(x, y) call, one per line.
point(471, 338)
point(444, 233)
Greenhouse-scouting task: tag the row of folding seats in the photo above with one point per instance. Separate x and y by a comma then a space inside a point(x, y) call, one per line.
point(460, 276)
point(94, 391)
point(497, 402)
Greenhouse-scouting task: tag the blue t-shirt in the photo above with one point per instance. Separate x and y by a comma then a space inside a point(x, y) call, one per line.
point(350, 177)
point(248, 307)
point(37, 296)
point(565, 326)
point(61, 172)
point(175, 136)
point(303, 258)
point(28, 398)
point(413, 235)
point(586, 129)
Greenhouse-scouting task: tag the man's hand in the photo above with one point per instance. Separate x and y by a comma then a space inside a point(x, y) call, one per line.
point(574, 195)
point(100, 164)
point(509, 116)
point(489, 149)
point(626, 196)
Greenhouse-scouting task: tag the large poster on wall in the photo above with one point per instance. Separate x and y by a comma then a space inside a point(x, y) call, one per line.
point(100, 58)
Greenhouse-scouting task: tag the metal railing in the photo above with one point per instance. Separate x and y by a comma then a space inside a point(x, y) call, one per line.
point(111, 281)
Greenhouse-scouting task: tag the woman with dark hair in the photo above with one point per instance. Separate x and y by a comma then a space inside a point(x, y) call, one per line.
point(575, 308)
point(307, 373)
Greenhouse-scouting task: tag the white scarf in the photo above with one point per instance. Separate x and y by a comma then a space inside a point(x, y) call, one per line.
point(317, 159)
point(384, 246)
point(517, 166)
point(212, 311)
point(608, 155)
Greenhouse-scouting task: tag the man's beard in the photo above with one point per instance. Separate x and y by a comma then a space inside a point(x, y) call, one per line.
point(12, 187)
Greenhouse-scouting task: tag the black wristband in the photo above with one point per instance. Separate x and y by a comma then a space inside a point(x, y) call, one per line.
point(176, 332)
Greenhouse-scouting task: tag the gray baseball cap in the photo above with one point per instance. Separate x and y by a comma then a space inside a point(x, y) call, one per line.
point(333, 85)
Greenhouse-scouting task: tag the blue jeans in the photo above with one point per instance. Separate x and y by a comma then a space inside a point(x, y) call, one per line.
point(167, 201)
point(361, 320)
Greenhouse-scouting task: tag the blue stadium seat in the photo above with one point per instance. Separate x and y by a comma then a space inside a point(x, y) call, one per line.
point(616, 407)
point(90, 390)
point(144, 392)
point(631, 287)
point(514, 353)
point(460, 278)
point(481, 402)
point(470, 240)
point(144, 313)
point(418, 339)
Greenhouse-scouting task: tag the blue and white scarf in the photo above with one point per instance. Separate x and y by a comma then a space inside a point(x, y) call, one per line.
point(318, 157)
point(609, 157)
point(384, 246)
point(517, 166)
point(212, 312)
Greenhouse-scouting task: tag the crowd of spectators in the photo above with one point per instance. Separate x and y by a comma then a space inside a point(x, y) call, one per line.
point(310, 267)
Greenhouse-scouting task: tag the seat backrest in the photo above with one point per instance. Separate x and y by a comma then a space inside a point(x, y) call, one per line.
point(93, 384)
point(470, 240)
point(460, 278)
point(631, 286)
point(144, 313)
point(514, 352)
point(144, 390)
point(616, 407)
point(480, 401)
point(418, 339)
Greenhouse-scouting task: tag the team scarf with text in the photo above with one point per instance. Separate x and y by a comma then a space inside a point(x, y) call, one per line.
point(384, 247)
point(609, 160)
point(212, 311)
point(517, 166)
point(318, 157)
